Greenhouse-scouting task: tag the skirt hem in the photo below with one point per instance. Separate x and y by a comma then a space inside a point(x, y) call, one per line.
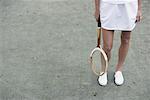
point(118, 29)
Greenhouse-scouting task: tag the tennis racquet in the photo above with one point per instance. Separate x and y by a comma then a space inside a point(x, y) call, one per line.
point(98, 58)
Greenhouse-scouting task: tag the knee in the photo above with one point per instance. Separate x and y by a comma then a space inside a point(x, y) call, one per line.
point(125, 40)
point(107, 48)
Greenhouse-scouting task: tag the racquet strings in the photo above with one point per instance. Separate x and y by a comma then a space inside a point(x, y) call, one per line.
point(98, 62)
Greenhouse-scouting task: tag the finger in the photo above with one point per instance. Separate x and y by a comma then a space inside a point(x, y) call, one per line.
point(137, 18)
point(141, 17)
point(97, 19)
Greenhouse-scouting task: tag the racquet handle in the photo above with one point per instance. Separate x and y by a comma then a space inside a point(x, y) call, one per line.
point(98, 36)
point(98, 33)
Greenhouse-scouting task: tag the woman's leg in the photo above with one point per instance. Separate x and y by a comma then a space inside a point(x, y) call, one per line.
point(108, 41)
point(123, 50)
point(107, 44)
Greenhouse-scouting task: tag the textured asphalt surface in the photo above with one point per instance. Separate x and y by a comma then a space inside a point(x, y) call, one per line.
point(44, 50)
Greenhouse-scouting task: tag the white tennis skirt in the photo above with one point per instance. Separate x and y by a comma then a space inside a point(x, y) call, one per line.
point(118, 16)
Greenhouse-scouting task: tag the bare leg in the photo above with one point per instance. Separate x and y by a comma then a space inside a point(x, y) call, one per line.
point(123, 50)
point(107, 44)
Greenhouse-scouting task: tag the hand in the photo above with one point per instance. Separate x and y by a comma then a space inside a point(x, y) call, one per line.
point(97, 14)
point(139, 16)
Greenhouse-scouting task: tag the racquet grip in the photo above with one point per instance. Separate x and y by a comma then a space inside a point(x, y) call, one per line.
point(99, 22)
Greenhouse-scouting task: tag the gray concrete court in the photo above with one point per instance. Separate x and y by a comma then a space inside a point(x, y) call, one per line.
point(44, 50)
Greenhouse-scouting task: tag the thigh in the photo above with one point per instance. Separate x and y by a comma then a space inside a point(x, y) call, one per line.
point(108, 38)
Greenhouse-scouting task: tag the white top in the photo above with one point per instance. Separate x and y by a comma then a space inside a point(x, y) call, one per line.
point(118, 1)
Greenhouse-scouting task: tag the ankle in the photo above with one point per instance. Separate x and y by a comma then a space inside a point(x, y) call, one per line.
point(118, 68)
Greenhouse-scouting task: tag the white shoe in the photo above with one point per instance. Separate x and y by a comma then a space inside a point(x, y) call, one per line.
point(102, 79)
point(119, 80)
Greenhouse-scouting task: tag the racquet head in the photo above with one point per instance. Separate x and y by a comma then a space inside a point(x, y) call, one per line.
point(98, 61)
